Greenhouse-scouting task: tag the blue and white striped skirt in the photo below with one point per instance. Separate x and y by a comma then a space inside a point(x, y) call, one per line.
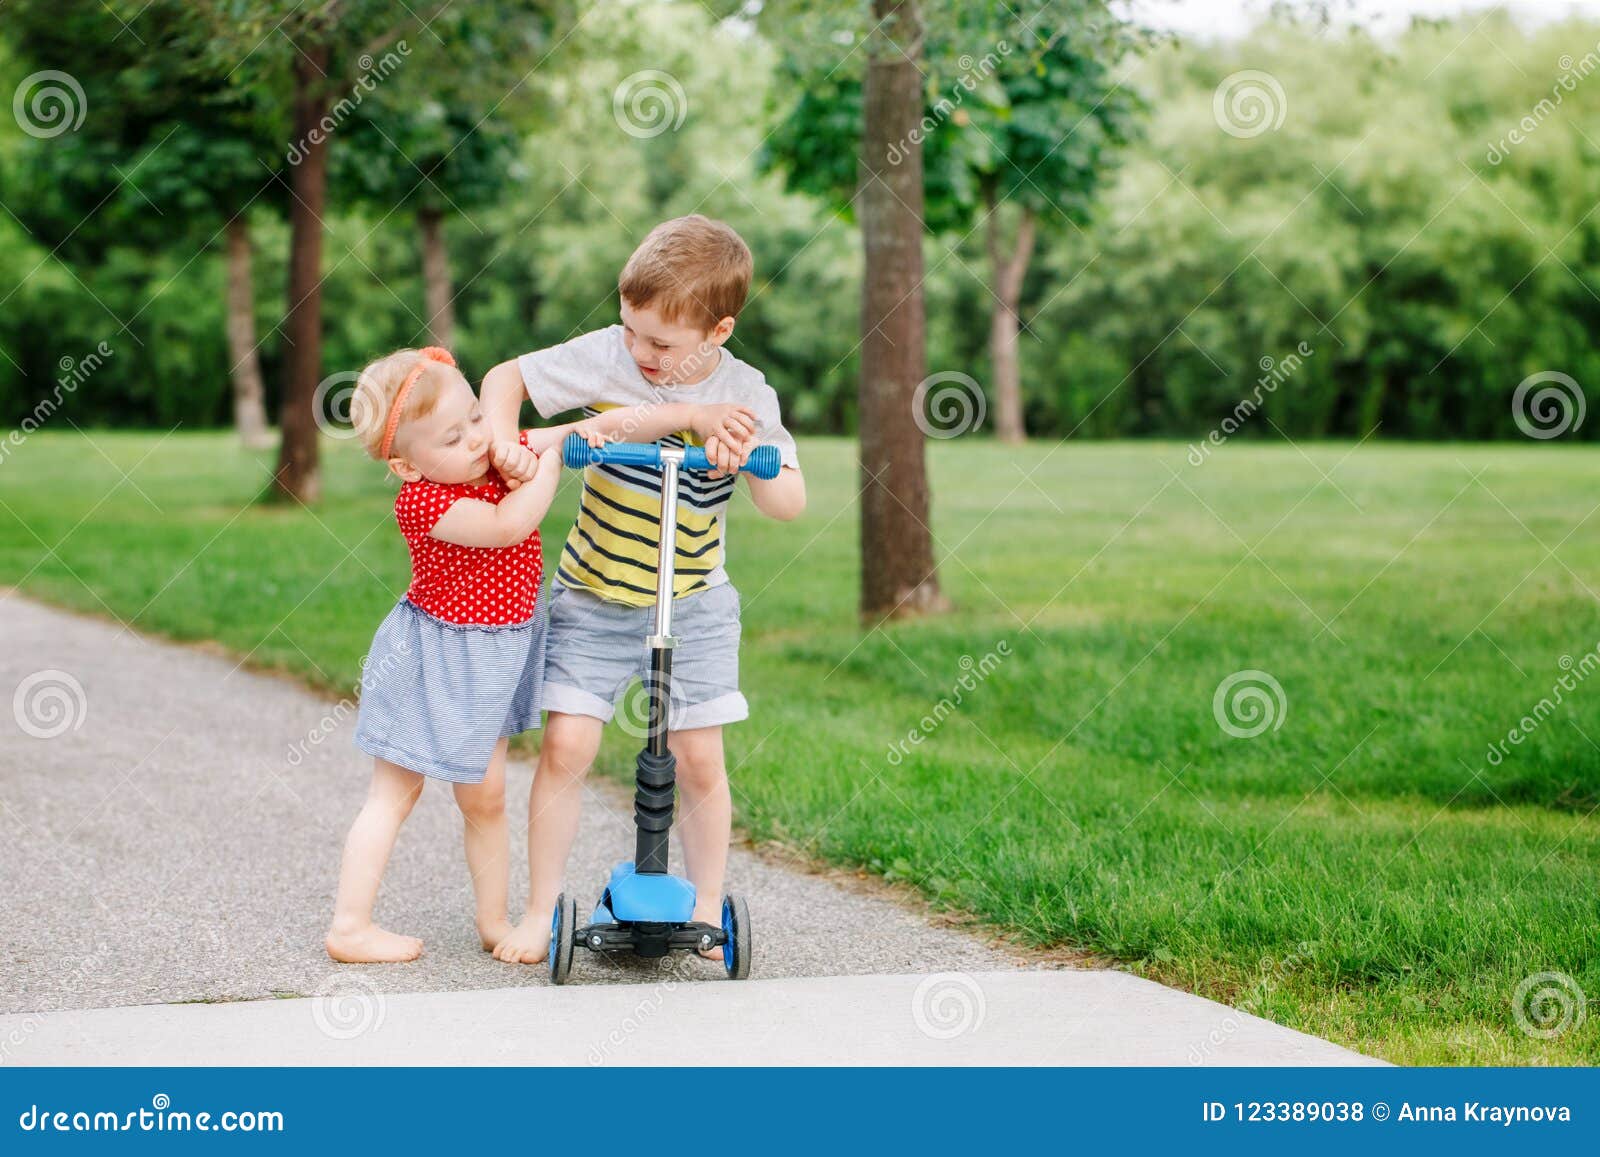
point(436, 697)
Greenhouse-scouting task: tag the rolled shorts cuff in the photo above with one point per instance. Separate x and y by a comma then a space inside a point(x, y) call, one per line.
point(569, 700)
point(729, 708)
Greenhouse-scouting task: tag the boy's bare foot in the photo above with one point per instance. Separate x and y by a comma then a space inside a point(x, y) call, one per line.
point(371, 945)
point(491, 935)
point(528, 943)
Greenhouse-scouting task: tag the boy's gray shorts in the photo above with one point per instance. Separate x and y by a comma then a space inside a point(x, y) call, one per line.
point(596, 649)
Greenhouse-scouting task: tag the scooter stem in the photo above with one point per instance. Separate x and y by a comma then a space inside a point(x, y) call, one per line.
point(655, 770)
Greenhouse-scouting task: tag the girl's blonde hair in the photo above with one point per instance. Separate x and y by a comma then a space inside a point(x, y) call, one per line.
point(380, 382)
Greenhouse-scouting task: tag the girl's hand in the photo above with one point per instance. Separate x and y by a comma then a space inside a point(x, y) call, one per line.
point(515, 463)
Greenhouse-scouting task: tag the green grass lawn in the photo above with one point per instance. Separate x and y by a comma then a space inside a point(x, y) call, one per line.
point(1361, 870)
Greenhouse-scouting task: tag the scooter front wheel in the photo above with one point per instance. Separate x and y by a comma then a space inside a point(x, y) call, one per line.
point(563, 923)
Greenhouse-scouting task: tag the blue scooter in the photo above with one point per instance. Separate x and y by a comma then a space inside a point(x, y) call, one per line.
point(644, 909)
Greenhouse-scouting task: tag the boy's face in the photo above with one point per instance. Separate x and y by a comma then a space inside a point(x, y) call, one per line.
point(671, 353)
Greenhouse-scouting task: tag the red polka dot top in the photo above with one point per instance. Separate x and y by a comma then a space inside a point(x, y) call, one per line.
point(469, 585)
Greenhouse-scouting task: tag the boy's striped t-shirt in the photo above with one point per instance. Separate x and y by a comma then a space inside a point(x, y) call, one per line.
point(612, 548)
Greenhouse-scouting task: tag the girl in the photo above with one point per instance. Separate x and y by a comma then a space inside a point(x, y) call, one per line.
point(455, 668)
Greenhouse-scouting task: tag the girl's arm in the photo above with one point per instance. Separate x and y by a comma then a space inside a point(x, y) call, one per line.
point(471, 522)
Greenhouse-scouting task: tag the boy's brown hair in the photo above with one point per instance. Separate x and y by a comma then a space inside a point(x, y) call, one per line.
point(692, 270)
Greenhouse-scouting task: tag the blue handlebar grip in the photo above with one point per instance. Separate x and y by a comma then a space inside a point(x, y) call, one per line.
point(765, 461)
point(577, 453)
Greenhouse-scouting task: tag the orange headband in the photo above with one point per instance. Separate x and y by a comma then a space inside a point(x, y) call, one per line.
point(430, 354)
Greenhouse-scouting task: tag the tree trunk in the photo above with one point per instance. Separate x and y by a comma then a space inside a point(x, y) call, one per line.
point(898, 577)
point(436, 278)
point(299, 475)
point(1008, 270)
point(249, 396)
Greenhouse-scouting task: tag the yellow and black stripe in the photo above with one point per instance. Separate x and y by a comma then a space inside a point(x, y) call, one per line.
point(613, 548)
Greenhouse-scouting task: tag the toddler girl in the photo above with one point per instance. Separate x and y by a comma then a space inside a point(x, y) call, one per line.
point(455, 668)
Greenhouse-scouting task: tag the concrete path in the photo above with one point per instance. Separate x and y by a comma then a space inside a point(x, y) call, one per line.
point(172, 825)
point(1071, 1017)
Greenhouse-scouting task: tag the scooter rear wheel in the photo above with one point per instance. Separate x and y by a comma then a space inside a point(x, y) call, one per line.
point(736, 924)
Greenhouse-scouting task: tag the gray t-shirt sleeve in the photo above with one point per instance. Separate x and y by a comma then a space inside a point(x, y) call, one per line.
point(571, 375)
point(770, 419)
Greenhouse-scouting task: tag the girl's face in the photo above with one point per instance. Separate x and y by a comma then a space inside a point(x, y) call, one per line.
point(449, 445)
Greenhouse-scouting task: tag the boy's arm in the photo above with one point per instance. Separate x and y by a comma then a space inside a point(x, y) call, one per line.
point(503, 390)
point(655, 420)
point(645, 423)
point(621, 424)
point(501, 399)
point(783, 497)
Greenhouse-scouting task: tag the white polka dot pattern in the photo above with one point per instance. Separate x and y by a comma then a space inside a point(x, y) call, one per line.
point(467, 585)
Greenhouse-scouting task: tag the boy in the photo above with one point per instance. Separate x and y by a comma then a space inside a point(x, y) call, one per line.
point(681, 293)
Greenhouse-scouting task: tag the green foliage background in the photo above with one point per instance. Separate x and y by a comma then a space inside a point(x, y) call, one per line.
point(1428, 276)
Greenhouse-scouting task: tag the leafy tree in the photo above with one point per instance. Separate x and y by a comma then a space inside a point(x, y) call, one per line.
point(1022, 120)
point(322, 63)
point(170, 156)
point(428, 159)
point(1378, 213)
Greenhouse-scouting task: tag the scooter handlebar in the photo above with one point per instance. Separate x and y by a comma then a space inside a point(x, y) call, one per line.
point(765, 461)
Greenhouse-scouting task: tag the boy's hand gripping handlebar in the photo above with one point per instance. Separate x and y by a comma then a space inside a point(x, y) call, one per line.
point(765, 461)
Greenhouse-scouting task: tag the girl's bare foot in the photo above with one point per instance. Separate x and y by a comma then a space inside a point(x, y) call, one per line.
point(491, 934)
point(371, 945)
point(528, 943)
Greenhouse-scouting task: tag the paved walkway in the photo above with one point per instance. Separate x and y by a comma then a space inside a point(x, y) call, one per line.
point(1069, 1017)
point(178, 841)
